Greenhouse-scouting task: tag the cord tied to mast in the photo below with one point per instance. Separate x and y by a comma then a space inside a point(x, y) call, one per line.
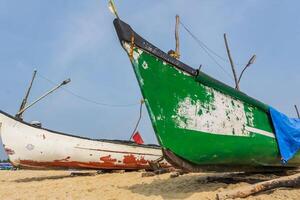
point(139, 119)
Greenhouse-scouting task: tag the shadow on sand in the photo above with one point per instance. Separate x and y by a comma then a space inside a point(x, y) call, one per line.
point(32, 179)
point(71, 175)
point(175, 188)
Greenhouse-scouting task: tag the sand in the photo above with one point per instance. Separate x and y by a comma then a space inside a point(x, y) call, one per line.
point(27, 184)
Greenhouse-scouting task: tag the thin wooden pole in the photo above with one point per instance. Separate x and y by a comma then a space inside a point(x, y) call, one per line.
point(297, 111)
point(24, 102)
point(242, 192)
point(231, 63)
point(177, 51)
point(43, 96)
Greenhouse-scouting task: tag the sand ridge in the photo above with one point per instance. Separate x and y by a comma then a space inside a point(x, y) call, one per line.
point(30, 184)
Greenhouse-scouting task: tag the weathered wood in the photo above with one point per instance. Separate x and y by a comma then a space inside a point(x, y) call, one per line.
point(83, 173)
point(24, 102)
point(177, 51)
point(148, 174)
point(44, 150)
point(287, 181)
point(158, 172)
point(231, 63)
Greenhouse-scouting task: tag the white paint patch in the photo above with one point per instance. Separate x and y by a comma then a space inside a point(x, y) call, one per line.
point(145, 65)
point(223, 115)
point(136, 52)
point(250, 116)
point(259, 131)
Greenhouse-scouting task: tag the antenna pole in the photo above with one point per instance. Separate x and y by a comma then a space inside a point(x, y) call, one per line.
point(24, 102)
point(177, 52)
point(43, 96)
point(231, 63)
point(297, 111)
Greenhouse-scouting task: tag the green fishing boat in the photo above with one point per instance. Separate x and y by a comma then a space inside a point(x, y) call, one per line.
point(201, 123)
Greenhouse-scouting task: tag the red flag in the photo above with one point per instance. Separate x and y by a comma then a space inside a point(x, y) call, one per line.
point(138, 138)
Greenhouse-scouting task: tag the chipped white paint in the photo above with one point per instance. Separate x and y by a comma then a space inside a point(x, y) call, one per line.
point(43, 146)
point(145, 65)
point(136, 53)
point(250, 116)
point(223, 115)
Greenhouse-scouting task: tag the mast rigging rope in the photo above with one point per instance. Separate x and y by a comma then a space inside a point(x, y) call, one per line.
point(207, 50)
point(87, 99)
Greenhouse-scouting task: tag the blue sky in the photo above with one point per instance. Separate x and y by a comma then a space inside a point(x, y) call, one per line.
point(76, 39)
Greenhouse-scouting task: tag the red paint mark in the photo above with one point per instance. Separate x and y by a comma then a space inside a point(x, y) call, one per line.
point(131, 159)
point(9, 151)
point(143, 161)
point(108, 159)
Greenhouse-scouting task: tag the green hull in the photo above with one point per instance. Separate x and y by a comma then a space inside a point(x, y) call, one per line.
point(200, 119)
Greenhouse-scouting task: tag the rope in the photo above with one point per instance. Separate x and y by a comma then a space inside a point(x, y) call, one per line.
point(139, 120)
point(87, 99)
point(207, 50)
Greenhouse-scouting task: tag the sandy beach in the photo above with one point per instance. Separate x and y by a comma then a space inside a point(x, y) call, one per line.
point(27, 184)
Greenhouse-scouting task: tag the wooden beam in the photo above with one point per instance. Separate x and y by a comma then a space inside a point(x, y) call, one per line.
point(24, 102)
point(177, 51)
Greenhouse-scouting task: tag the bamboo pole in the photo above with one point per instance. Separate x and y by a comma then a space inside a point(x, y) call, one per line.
point(24, 102)
point(177, 51)
point(231, 63)
point(43, 96)
point(286, 181)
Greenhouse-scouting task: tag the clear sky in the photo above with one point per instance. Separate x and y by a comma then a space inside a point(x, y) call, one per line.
point(76, 39)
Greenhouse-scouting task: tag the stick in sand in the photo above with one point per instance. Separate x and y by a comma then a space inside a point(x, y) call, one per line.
point(287, 181)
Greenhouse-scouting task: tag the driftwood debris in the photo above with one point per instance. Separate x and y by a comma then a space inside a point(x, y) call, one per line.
point(285, 181)
point(83, 173)
point(162, 171)
point(156, 172)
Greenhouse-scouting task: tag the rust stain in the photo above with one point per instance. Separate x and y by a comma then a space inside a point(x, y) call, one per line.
point(108, 159)
point(131, 159)
point(76, 164)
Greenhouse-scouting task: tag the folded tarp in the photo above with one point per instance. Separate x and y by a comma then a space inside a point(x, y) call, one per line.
point(287, 132)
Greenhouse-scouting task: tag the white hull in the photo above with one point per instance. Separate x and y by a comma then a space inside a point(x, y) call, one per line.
point(34, 147)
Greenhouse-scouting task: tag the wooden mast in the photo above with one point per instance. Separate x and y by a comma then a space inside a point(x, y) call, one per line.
point(231, 63)
point(24, 102)
point(177, 51)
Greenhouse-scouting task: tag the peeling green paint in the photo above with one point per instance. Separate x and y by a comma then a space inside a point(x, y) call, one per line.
point(201, 123)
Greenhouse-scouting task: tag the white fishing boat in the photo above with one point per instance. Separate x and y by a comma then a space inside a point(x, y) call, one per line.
point(30, 145)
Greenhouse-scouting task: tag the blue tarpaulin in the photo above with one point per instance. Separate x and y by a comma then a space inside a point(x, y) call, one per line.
point(287, 132)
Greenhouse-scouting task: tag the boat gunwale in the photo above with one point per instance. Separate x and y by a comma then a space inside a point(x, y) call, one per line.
point(125, 33)
point(121, 142)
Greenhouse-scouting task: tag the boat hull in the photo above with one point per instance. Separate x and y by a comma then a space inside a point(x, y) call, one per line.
point(32, 147)
point(198, 118)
